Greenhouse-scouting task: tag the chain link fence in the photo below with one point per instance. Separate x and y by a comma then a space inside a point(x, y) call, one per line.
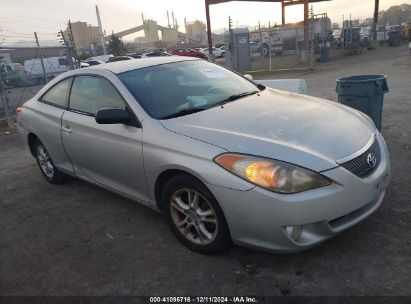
point(26, 64)
point(280, 48)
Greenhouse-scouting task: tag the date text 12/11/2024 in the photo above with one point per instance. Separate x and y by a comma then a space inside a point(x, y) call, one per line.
point(204, 299)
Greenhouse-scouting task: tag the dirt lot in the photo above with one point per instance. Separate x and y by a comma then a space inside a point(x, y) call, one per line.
point(76, 239)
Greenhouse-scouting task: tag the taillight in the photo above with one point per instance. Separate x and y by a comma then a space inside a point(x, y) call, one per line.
point(18, 111)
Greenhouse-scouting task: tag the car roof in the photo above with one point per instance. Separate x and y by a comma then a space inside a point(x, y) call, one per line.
point(118, 67)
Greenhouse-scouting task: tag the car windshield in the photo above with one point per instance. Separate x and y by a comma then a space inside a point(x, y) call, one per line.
point(185, 87)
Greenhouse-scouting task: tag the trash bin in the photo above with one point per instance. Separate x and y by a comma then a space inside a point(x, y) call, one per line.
point(325, 51)
point(364, 93)
point(394, 38)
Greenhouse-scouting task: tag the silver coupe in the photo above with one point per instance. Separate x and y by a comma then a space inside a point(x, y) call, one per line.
point(224, 159)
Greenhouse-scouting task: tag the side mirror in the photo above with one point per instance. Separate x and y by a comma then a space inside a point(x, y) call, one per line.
point(112, 116)
point(248, 76)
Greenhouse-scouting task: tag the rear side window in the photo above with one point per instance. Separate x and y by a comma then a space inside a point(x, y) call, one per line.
point(58, 94)
point(90, 94)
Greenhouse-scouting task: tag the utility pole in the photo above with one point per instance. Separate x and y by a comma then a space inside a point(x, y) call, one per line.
point(312, 39)
point(306, 24)
point(72, 44)
point(209, 36)
point(261, 39)
point(100, 32)
point(375, 24)
point(350, 32)
point(185, 29)
point(41, 58)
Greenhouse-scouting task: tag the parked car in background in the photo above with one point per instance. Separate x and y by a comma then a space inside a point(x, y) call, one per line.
point(15, 77)
point(134, 55)
point(155, 54)
point(93, 62)
point(218, 53)
point(103, 58)
point(189, 53)
point(120, 58)
point(254, 47)
point(224, 159)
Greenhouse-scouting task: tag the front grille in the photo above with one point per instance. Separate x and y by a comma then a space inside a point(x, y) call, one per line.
point(342, 220)
point(362, 166)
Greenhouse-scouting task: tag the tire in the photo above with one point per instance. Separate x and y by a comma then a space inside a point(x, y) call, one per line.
point(203, 227)
point(46, 165)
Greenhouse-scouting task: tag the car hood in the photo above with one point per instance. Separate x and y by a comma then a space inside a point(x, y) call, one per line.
point(299, 129)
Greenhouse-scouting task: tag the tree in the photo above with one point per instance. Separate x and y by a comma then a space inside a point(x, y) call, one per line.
point(335, 26)
point(116, 46)
point(367, 22)
point(396, 14)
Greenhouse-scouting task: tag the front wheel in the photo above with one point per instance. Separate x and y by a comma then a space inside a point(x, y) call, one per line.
point(46, 165)
point(194, 216)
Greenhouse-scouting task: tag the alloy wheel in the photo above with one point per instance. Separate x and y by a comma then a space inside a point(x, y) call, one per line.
point(45, 161)
point(194, 216)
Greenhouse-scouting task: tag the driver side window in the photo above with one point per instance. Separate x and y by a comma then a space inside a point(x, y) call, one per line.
point(90, 94)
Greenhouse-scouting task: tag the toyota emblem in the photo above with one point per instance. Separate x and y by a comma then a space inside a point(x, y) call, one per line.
point(371, 160)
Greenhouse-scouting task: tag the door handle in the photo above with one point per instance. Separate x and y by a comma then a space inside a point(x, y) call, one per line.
point(66, 129)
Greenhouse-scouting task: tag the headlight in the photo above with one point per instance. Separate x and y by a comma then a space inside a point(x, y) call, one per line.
point(270, 174)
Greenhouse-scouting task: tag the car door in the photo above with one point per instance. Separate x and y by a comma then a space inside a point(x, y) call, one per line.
point(107, 154)
point(46, 122)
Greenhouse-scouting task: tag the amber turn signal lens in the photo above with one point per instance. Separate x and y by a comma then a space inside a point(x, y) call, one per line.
point(262, 173)
point(229, 160)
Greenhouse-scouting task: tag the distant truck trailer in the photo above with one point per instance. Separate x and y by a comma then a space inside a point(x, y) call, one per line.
point(53, 66)
point(291, 36)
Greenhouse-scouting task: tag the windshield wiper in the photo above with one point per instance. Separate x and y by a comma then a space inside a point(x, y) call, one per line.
point(183, 112)
point(188, 111)
point(234, 97)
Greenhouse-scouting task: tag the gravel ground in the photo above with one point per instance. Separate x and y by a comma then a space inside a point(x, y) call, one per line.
point(77, 239)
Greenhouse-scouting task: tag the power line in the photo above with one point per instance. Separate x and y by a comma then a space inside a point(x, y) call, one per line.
point(25, 33)
point(28, 23)
point(30, 17)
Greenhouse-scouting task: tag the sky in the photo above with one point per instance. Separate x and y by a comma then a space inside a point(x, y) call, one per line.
point(23, 17)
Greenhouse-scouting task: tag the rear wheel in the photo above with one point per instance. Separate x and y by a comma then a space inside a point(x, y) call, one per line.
point(194, 216)
point(47, 168)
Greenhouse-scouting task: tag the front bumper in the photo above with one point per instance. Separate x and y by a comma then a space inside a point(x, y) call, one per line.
point(257, 217)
